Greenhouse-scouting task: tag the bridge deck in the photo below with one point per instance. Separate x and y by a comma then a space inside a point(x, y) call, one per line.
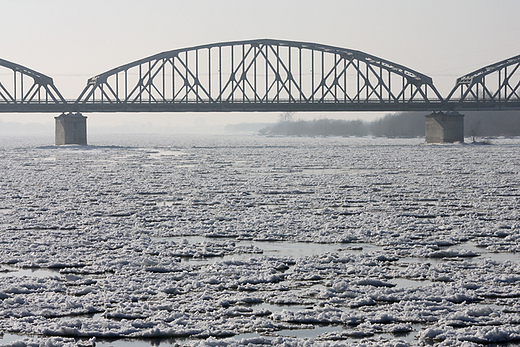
point(328, 106)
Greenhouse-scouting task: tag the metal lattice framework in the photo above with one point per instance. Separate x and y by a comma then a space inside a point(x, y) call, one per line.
point(262, 75)
point(496, 85)
point(259, 75)
point(26, 90)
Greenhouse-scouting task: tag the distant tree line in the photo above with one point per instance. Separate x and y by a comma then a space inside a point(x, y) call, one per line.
point(318, 127)
point(246, 127)
point(408, 124)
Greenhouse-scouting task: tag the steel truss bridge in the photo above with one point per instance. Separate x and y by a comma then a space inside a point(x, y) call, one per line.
point(265, 76)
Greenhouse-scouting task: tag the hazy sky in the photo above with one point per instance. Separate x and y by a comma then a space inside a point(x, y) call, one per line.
point(72, 40)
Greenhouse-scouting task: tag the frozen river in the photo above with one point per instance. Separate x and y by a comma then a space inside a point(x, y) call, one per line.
point(234, 240)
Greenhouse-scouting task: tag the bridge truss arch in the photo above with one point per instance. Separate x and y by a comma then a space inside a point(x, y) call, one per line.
point(493, 86)
point(260, 75)
point(26, 90)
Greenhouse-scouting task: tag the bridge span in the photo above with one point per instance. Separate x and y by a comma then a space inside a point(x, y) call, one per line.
point(262, 75)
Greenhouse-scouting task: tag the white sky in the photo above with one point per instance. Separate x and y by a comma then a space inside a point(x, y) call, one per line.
point(72, 40)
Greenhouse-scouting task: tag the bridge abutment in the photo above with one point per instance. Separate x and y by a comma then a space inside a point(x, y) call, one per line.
point(71, 129)
point(444, 127)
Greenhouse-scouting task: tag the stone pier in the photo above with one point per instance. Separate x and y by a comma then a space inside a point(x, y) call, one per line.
point(71, 129)
point(444, 127)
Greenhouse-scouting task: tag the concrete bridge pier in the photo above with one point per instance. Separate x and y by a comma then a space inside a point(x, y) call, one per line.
point(442, 127)
point(71, 129)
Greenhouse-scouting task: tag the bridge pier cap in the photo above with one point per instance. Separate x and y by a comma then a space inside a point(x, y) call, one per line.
point(444, 127)
point(71, 129)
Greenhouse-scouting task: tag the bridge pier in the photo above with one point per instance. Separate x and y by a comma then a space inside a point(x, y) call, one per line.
point(71, 129)
point(442, 127)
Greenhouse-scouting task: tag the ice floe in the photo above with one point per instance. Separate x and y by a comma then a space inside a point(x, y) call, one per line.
point(231, 241)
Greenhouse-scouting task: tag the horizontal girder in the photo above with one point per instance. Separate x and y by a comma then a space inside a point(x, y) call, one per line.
point(71, 106)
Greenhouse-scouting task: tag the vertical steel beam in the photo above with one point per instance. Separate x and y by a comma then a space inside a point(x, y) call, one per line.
point(300, 71)
point(266, 73)
point(322, 76)
point(345, 72)
point(484, 85)
point(220, 72)
point(197, 76)
point(380, 81)
point(140, 84)
point(389, 86)
point(278, 73)
point(312, 75)
point(126, 85)
point(403, 89)
point(499, 84)
point(233, 77)
point(163, 73)
point(186, 89)
point(290, 74)
point(255, 73)
point(21, 86)
point(335, 77)
point(174, 93)
point(149, 81)
point(15, 87)
point(117, 86)
point(209, 74)
point(243, 76)
point(358, 95)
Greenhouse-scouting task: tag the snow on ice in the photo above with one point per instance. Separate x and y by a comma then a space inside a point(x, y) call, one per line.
point(246, 240)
